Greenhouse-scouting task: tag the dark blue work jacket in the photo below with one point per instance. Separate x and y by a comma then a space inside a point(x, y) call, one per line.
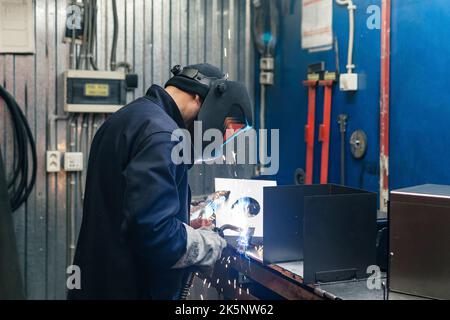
point(136, 201)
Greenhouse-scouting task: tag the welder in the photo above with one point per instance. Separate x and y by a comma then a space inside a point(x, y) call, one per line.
point(135, 240)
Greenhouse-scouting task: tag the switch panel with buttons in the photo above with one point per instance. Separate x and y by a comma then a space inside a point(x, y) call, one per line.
point(73, 162)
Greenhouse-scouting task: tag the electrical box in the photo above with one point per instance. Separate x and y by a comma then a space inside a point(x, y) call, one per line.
point(73, 162)
point(53, 161)
point(349, 82)
point(94, 91)
point(16, 26)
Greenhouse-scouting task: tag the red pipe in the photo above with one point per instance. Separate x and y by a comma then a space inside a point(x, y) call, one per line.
point(385, 103)
point(310, 129)
point(325, 128)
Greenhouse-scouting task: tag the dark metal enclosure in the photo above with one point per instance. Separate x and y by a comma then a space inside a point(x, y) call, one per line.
point(420, 241)
point(332, 229)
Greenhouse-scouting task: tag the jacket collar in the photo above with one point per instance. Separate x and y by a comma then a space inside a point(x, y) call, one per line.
point(165, 101)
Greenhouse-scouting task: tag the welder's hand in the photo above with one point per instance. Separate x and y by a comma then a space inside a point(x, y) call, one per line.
point(201, 224)
point(204, 248)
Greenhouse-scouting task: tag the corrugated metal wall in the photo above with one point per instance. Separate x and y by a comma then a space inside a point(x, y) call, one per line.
point(154, 35)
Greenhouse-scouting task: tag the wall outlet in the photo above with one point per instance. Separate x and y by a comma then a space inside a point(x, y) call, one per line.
point(348, 82)
point(53, 161)
point(73, 162)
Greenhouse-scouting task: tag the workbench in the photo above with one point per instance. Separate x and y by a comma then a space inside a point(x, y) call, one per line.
point(245, 277)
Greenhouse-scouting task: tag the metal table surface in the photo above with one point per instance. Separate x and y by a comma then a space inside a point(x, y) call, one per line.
point(286, 281)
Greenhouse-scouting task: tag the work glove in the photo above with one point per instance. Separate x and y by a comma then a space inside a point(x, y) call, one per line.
point(202, 224)
point(203, 249)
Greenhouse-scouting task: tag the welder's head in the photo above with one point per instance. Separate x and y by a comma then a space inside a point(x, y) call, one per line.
point(194, 82)
point(195, 79)
point(224, 104)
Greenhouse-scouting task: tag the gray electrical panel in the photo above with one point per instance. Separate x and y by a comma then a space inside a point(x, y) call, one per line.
point(94, 91)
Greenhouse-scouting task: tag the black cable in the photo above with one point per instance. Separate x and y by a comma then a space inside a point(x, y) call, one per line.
point(22, 183)
point(93, 34)
point(115, 36)
point(265, 23)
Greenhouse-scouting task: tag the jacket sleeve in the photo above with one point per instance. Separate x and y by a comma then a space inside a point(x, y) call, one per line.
point(151, 203)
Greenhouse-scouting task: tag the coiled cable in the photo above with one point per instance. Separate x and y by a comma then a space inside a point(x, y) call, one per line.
point(22, 182)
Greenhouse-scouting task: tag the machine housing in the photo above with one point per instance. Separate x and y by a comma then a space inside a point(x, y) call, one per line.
point(419, 241)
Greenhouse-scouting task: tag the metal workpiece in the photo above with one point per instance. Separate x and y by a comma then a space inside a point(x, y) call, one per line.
point(245, 277)
point(346, 244)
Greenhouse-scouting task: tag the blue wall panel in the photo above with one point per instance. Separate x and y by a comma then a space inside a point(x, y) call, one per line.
point(419, 95)
point(287, 101)
point(420, 108)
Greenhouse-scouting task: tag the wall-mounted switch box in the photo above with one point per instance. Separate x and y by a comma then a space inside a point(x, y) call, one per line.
point(73, 162)
point(17, 26)
point(348, 82)
point(53, 161)
point(267, 78)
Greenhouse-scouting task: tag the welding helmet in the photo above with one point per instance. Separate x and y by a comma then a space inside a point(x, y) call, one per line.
point(226, 107)
point(226, 104)
point(195, 79)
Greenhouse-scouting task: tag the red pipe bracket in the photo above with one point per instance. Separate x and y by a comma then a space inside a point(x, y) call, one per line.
point(325, 129)
point(310, 129)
